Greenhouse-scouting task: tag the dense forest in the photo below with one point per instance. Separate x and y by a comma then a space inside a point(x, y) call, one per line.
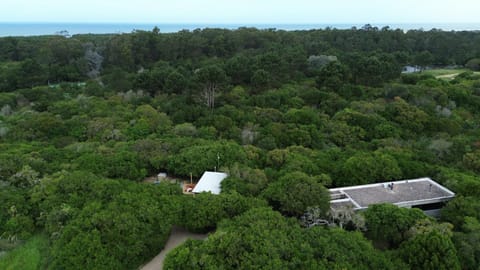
point(84, 120)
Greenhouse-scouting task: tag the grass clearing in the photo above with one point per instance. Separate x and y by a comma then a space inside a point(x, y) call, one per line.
point(444, 72)
point(30, 256)
point(447, 74)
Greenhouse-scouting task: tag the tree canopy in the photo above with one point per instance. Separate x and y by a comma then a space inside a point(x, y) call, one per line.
point(87, 122)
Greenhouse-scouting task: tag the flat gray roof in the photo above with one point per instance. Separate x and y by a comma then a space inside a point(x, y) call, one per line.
point(404, 193)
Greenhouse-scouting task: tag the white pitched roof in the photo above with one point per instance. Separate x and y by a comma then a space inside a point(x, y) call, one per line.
point(210, 182)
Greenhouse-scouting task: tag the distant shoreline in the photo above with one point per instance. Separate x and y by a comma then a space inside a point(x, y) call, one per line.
point(38, 29)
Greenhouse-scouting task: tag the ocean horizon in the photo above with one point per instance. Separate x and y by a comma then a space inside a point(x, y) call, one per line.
point(38, 29)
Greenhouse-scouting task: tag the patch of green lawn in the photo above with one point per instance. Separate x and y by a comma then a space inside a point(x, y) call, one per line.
point(30, 256)
point(443, 71)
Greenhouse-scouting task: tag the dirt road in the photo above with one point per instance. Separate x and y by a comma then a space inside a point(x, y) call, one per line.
point(447, 76)
point(177, 237)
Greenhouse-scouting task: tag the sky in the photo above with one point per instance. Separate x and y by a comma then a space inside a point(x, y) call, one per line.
point(241, 11)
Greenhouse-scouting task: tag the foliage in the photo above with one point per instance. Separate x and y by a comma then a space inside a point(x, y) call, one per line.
point(199, 158)
point(459, 208)
point(269, 241)
point(293, 193)
point(245, 181)
point(122, 222)
point(363, 168)
point(203, 212)
point(83, 120)
point(225, 249)
point(339, 249)
point(389, 223)
point(12, 202)
point(431, 250)
point(466, 243)
point(473, 64)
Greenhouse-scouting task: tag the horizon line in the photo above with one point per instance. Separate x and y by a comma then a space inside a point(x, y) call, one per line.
point(232, 23)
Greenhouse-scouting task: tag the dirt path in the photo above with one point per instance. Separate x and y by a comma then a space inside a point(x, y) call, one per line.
point(177, 237)
point(447, 76)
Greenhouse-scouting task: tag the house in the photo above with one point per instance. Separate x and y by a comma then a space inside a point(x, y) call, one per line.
point(422, 193)
point(411, 69)
point(210, 182)
point(161, 176)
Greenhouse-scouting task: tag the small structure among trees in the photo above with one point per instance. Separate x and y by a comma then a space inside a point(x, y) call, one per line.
point(210, 182)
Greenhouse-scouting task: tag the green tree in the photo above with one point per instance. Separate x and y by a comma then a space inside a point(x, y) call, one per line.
point(340, 249)
point(77, 252)
point(472, 160)
point(114, 164)
point(121, 223)
point(175, 82)
point(317, 62)
point(423, 59)
point(473, 64)
point(245, 181)
point(407, 116)
point(260, 79)
point(363, 168)
point(263, 239)
point(240, 69)
point(12, 199)
point(211, 79)
point(466, 243)
point(460, 207)
point(25, 178)
point(257, 239)
point(431, 250)
point(203, 212)
point(293, 193)
point(18, 227)
point(389, 223)
point(199, 158)
point(157, 121)
point(332, 76)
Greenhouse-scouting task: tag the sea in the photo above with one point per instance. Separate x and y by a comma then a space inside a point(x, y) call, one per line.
point(37, 29)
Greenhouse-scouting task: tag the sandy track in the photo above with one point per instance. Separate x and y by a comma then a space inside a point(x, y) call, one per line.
point(447, 76)
point(177, 237)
